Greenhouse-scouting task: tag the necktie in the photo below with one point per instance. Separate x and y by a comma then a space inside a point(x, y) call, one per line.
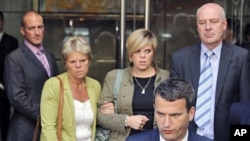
point(44, 61)
point(203, 102)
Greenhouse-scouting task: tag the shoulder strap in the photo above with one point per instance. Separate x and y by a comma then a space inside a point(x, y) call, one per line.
point(35, 132)
point(60, 111)
point(116, 86)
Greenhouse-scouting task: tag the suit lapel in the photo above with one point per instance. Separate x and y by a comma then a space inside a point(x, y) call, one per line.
point(225, 60)
point(68, 93)
point(27, 52)
point(155, 135)
point(192, 136)
point(245, 114)
point(5, 44)
point(194, 59)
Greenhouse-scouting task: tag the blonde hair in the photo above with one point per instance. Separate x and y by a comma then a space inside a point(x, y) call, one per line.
point(139, 39)
point(76, 43)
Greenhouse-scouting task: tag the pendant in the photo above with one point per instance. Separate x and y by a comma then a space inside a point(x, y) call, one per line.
point(143, 91)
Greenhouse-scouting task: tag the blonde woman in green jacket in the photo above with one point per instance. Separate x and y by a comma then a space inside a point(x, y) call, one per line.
point(135, 112)
point(80, 96)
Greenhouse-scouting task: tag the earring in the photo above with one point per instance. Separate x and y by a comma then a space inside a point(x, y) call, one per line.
point(131, 62)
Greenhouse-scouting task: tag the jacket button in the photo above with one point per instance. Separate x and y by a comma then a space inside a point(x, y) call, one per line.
point(125, 108)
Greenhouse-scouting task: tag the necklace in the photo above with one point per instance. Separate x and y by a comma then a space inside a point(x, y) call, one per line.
point(143, 88)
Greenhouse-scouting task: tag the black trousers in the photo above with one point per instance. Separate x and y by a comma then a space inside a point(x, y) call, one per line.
point(4, 115)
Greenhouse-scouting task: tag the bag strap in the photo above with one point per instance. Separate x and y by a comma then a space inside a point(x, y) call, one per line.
point(60, 112)
point(117, 85)
point(35, 133)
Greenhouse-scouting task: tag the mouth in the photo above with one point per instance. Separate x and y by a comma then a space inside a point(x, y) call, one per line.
point(142, 62)
point(79, 72)
point(167, 132)
point(208, 35)
point(38, 38)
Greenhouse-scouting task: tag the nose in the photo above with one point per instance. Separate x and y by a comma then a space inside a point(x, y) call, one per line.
point(78, 64)
point(37, 30)
point(208, 26)
point(167, 121)
point(142, 54)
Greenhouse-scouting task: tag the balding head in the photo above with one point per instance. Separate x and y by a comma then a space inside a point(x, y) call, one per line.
point(211, 24)
point(27, 14)
point(32, 28)
point(211, 6)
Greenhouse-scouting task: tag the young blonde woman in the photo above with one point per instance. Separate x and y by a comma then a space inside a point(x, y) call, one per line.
point(135, 112)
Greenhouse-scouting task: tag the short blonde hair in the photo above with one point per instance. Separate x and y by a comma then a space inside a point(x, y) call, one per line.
point(76, 43)
point(139, 39)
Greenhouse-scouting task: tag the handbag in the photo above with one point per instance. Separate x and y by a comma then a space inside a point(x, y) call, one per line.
point(102, 134)
point(59, 117)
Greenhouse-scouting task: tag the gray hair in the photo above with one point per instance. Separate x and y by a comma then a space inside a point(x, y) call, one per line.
point(223, 14)
point(76, 43)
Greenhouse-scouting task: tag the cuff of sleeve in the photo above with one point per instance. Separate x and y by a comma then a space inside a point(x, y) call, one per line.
point(126, 121)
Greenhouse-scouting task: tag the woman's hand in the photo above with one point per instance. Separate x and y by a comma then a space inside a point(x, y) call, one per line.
point(107, 108)
point(137, 121)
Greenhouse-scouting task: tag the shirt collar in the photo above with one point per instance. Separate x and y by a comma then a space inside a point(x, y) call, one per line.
point(216, 50)
point(184, 139)
point(32, 47)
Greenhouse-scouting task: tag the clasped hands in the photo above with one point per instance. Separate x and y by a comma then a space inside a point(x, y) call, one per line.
point(136, 122)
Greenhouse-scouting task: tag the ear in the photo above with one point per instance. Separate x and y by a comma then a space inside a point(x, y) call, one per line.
point(22, 31)
point(130, 59)
point(225, 25)
point(191, 113)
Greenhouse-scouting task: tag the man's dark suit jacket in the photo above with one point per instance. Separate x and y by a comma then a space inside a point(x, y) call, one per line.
point(24, 78)
point(7, 44)
point(154, 135)
point(240, 113)
point(233, 82)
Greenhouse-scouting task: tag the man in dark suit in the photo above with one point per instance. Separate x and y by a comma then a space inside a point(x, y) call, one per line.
point(173, 108)
point(240, 113)
point(7, 44)
point(24, 76)
point(230, 70)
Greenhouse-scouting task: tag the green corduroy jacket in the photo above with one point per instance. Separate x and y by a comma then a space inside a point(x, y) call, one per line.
point(49, 108)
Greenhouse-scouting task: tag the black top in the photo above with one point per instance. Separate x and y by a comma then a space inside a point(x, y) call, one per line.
point(142, 104)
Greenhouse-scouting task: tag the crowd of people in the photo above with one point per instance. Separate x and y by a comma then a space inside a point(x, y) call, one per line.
point(197, 100)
